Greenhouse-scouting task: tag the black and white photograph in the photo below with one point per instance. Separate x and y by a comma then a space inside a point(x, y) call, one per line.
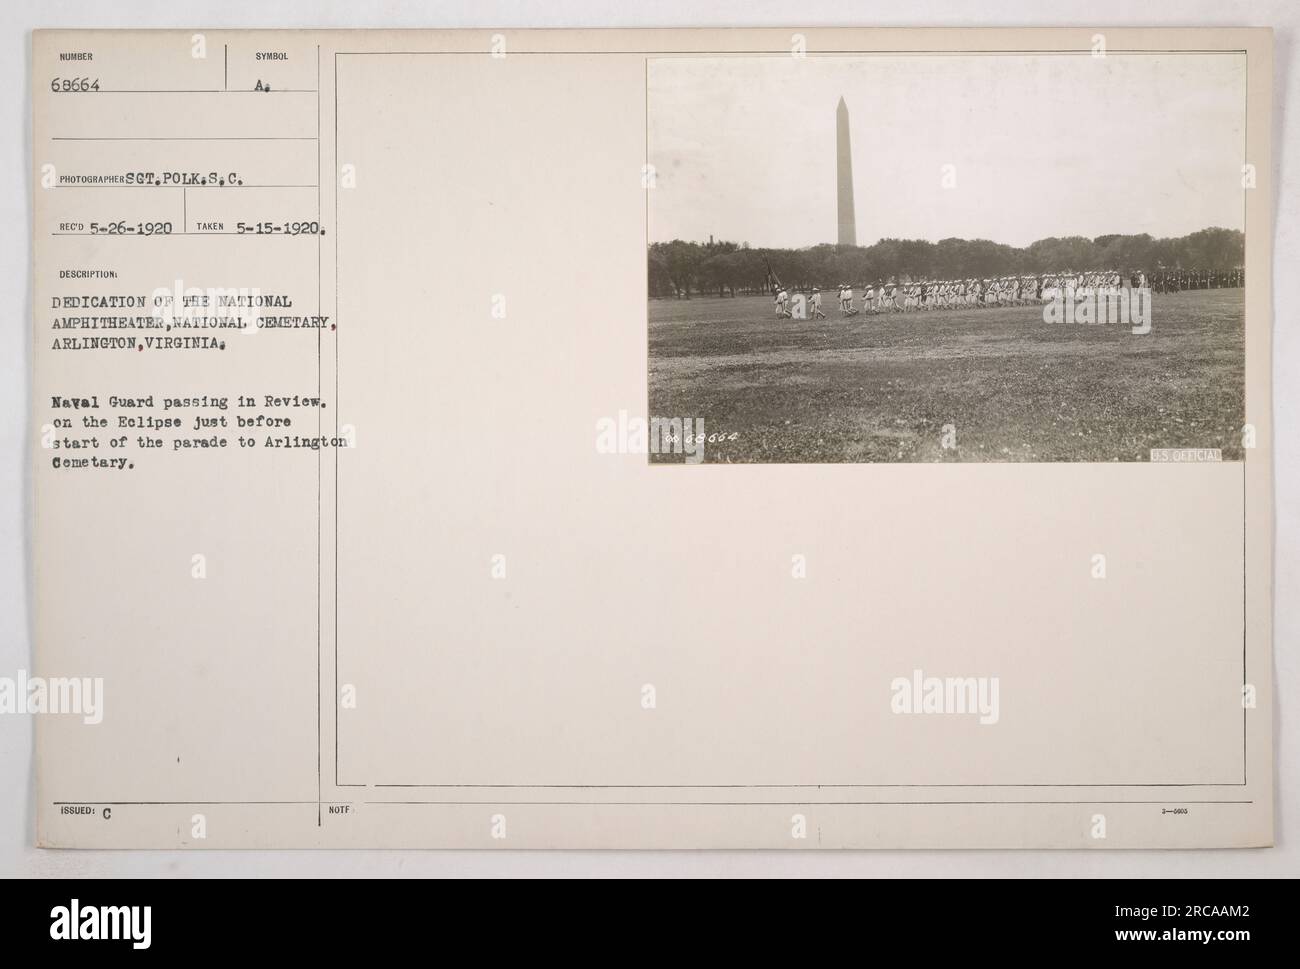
point(356, 354)
point(938, 256)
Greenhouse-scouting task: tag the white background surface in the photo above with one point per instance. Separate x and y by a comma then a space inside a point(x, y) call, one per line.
point(17, 19)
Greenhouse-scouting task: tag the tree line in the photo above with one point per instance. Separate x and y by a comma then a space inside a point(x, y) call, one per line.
point(682, 269)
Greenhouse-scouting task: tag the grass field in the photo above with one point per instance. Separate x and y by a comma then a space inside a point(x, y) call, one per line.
point(881, 388)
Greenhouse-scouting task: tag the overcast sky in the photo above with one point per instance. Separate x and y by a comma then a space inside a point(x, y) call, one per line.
point(1043, 145)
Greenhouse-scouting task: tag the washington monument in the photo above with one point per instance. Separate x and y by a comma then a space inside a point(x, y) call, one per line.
point(844, 176)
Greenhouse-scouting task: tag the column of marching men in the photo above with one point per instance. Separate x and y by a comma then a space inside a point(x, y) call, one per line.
point(1018, 290)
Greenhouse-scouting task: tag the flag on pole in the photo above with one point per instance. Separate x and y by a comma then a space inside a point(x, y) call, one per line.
point(773, 284)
